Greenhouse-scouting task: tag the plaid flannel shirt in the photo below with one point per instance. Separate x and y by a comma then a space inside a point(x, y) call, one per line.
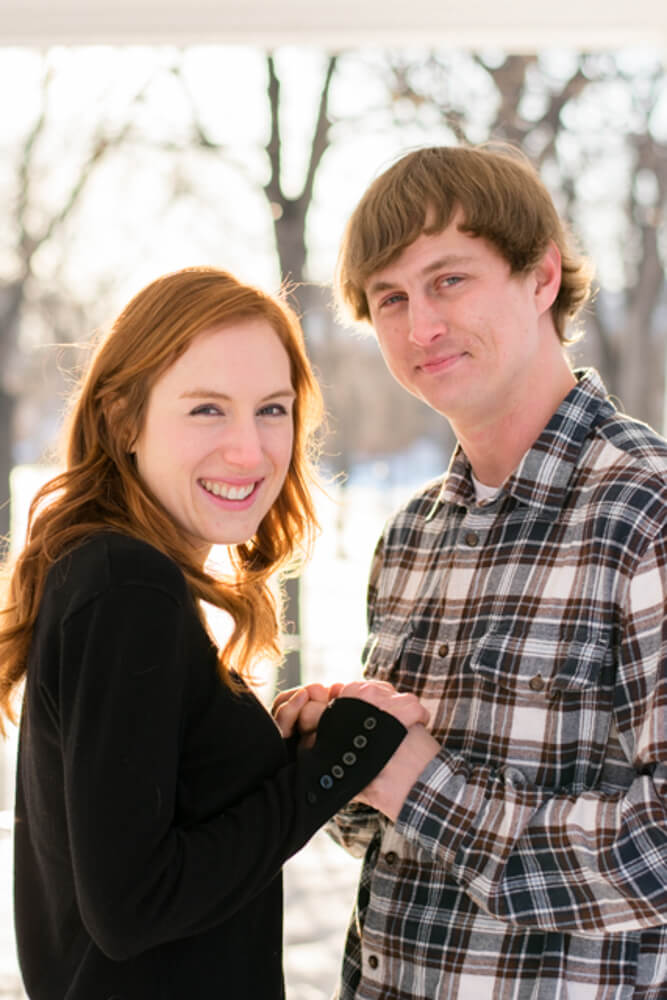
point(529, 860)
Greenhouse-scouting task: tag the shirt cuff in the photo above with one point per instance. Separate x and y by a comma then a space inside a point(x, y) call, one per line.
point(432, 816)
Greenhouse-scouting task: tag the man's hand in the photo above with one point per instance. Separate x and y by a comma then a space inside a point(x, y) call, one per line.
point(388, 791)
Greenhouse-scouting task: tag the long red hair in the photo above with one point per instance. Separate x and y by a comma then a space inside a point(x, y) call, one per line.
point(100, 489)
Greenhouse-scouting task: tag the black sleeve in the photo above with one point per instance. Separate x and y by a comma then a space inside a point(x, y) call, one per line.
point(141, 879)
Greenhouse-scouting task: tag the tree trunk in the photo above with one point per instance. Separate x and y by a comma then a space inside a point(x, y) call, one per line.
point(6, 454)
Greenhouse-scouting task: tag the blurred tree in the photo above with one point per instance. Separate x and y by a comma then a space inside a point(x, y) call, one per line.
point(288, 214)
point(168, 146)
point(358, 392)
point(34, 308)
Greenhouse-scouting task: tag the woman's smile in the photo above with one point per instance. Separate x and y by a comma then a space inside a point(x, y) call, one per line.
point(217, 439)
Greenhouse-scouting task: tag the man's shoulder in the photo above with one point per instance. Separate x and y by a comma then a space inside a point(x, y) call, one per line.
point(622, 474)
point(635, 445)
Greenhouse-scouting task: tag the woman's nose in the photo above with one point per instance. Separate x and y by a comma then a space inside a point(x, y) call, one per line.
point(242, 445)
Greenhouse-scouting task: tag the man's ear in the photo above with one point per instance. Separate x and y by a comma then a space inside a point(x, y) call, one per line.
point(548, 278)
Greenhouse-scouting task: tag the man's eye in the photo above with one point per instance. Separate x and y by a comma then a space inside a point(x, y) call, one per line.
point(392, 299)
point(450, 280)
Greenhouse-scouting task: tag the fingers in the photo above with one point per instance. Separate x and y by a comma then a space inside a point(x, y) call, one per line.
point(281, 698)
point(405, 707)
point(286, 714)
point(299, 709)
point(366, 690)
point(309, 716)
point(315, 692)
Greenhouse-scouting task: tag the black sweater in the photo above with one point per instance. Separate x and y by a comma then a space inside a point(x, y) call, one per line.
point(154, 806)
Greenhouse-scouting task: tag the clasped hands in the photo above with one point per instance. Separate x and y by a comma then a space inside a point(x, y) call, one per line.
point(298, 711)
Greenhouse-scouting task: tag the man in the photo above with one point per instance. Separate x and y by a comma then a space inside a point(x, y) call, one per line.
point(518, 849)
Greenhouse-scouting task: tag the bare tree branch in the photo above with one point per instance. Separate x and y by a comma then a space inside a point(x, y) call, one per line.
point(320, 141)
point(273, 186)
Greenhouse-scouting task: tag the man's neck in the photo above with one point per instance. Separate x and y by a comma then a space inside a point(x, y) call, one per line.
point(495, 445)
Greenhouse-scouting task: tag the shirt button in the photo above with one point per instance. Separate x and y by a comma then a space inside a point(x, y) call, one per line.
point(326, 781)
point(349, 758)
point(360, 742)
point(471, 539)
point(370, 723)
point(391, 857)
point(444, 649)
point(373, 961)
point(536, 683)
point(337, 771)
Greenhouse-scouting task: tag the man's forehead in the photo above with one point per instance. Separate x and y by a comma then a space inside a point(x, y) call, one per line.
point(433, 226)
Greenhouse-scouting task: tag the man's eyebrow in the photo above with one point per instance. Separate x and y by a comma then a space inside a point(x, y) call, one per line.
point(203, 393)
point(450, 260)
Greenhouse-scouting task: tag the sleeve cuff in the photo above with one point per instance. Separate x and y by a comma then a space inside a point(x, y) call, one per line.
point(354, 742)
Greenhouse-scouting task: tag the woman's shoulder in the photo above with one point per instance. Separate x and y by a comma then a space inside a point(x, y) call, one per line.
point(108, 560)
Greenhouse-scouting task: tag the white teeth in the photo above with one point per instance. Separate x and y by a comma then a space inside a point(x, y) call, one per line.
point(228, 492)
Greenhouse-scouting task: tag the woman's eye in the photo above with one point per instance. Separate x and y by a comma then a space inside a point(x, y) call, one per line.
point(274, 410)
point(206, 410)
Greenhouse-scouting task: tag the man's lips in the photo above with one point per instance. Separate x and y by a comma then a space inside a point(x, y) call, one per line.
point(440, 363)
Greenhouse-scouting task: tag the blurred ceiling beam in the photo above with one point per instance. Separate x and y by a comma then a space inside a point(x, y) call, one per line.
point(520, 25)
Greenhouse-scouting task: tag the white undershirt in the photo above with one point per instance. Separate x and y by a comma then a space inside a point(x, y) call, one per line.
point(484, 493)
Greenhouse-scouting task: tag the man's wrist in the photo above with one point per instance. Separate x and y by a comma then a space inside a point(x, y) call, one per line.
point(389, 790)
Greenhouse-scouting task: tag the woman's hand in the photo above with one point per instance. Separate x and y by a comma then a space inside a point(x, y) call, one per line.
point(298, 710)
point(405, 707)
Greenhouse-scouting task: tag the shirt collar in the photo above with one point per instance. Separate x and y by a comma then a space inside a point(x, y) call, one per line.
point(542, 476)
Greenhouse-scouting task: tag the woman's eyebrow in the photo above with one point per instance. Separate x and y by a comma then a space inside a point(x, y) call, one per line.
point(216, 394)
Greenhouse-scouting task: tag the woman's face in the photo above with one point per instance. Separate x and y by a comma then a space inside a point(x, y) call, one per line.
point(217, 437)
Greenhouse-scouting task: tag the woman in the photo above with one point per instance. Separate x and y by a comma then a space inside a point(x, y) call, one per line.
point(156, 798)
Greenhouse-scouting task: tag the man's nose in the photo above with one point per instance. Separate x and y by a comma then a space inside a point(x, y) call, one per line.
point(426, 321)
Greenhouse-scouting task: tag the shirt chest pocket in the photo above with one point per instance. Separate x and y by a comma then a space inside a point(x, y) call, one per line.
point(546, 699)
point(570, 666)
point(413, 664)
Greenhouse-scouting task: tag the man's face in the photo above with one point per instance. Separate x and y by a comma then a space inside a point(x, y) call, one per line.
point(457, 329)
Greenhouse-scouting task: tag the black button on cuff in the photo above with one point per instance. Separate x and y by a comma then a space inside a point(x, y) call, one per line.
point(370, 723)
point(360, 742)
point(326, 781)
point(337, 771)
point(349, 758)
point(311, 798)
